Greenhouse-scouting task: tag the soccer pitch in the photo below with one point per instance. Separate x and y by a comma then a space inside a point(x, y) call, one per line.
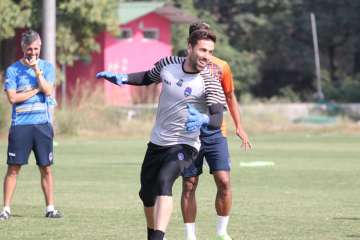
point(311, 191)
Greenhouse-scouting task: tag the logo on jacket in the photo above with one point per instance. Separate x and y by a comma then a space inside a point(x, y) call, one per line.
point(180, 82)
point(167, 82)
point(181, 156)
point(187, 91)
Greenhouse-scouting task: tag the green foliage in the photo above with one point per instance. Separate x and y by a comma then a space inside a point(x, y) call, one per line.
point(347, 90)
point(244, 64)
point(14, 14)
point(280, 29)
point(78, 24)
point(268, 43)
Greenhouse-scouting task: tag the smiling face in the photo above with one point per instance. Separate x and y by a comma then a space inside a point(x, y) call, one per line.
point(200, 53)
point(32, 51)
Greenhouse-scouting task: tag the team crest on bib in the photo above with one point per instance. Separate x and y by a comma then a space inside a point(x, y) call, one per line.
point(180, 82)
point(187, 91)
point(181, 156)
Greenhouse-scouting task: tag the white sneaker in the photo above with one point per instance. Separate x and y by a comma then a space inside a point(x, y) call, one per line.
point(4, 215)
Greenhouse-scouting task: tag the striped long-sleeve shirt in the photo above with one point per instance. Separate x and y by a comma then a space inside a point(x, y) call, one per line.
point(180, 88)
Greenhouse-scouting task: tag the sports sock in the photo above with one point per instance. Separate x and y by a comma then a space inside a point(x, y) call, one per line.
point(221, 226)
point(7, 209)
point(149, 232)
point(50, 208)
point(157, 235)
point(190, 230)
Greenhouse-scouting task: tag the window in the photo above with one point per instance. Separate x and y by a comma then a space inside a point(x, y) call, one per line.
point(126, 33)
point(151, 33)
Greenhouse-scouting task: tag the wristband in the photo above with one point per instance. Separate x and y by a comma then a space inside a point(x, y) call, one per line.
point(38, 73)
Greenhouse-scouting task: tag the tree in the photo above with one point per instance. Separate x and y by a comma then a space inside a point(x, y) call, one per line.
point(244, 64)
point(78, 23)
point(13, 16)
point(75, 42)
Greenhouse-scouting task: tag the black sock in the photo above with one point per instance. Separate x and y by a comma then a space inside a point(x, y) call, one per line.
point(149, 233)
point(157, 235)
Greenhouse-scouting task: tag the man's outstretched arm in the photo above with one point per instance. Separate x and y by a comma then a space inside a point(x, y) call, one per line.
point(137, 78)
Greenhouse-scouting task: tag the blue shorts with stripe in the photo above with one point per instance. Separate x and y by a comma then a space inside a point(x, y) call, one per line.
point(216, 152)
point(26, 138)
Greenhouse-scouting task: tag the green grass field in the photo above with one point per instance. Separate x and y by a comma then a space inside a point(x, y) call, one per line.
point(311, 192)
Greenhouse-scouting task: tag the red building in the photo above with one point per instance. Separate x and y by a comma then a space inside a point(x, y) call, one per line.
point(145, 38)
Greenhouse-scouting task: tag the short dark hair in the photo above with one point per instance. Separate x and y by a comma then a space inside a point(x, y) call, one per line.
point(182, 53)
point(198, 26)
point(29, 37)
point(201, 35)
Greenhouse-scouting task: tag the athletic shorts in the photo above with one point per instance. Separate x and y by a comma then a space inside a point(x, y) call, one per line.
point(24, 138)
point(216, 152)
point(160, 158)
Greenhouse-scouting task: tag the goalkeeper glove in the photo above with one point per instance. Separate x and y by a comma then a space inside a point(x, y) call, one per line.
point(195, 119)
point(118, 79)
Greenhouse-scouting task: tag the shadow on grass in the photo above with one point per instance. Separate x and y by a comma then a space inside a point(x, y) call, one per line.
point(347, 218)
point(122, 163)
point(353, 236)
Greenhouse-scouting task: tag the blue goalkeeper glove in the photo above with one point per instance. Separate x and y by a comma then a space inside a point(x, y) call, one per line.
point(118, 79)
point(195, 119)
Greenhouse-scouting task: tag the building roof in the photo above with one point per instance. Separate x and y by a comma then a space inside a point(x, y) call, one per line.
point(129, 11)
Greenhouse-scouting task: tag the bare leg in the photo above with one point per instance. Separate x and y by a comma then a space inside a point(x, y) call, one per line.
point(47, 184)
point(188, 199)
point(223, 200)
point(10, 183)
point(149, 215)
point(162, 213)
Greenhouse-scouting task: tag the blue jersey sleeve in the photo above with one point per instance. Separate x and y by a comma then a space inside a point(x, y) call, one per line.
point(10, 79)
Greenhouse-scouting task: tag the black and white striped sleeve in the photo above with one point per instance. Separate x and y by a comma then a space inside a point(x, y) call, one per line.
point(214, 93)
point(154, 73)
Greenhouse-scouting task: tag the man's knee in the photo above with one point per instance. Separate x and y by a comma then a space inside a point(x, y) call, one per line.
point(147, 197)
point(13, 170)
point(189, 186)
point(223, 182)
point(45, 171)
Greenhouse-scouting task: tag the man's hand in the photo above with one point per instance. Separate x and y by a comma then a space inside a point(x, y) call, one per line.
point(244, 138)
point(118, 79)
point(195, 119)
point(32, 62)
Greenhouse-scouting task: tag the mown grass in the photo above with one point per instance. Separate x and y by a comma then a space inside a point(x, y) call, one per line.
point(311, 192)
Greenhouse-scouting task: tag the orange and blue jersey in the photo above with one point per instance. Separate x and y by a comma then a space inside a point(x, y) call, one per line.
point(221, 70)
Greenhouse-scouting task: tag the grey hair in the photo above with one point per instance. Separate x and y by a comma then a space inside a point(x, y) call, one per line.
point(29, 37)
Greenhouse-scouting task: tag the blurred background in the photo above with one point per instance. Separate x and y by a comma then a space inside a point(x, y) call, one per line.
point(270, 45)
point(297, 79)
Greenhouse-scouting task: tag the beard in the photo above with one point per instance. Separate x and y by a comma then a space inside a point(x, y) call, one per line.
point(196, 64)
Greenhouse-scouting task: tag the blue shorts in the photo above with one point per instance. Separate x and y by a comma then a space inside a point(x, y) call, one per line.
point(217, 156)
point(24, 138)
